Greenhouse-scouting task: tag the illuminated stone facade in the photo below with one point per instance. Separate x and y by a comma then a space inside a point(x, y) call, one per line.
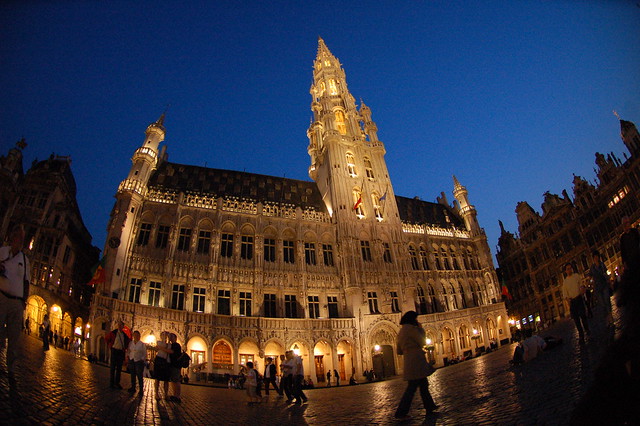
point(59, 246)
point(568, 231)
point(242, 266)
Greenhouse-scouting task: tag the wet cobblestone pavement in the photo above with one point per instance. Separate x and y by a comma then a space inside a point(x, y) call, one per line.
point(56, 388)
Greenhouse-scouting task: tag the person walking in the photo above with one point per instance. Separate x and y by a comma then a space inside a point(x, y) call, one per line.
point(14, 292)
point(598, 272)
point(45, 332)
point(287, 366)
point(410, 344)
point(252, 384)
point(329, 378)
point(573, 292)
point(298, 377)
point(270, 377)
point(161, 366)
point(337, 376)
point(176, 368)
point(118, 341)
point(136, 354)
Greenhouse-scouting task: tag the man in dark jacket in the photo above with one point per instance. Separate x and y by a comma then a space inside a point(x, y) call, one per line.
point(270, 377)
point(118, 341)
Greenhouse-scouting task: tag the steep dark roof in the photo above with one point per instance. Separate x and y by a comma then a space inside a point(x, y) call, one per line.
point(416, 211)
point(229, 183)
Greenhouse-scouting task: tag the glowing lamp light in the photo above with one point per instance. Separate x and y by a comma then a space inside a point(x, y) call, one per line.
point(537, 318)
point(475, 331)
point(150, 340)
point(55, 309)
point(88, 325)
point(296, 350)
point(78, 331)
point(377, 348)
point(429, 341)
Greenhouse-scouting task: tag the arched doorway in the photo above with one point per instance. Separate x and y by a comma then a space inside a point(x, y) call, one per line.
point(448, 346)
point(35, 310)
point(222, 357)
point(323, 361)
point(383, 353)
point(346, 367)
point(274, 350)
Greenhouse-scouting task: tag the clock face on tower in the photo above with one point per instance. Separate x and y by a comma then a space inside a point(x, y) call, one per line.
point(114, 242)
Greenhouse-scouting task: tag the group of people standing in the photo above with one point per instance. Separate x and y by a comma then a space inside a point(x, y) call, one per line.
point(133, 352)
point(292, 371)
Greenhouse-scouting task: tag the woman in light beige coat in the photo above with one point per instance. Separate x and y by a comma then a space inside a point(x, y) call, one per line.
point(411, 341)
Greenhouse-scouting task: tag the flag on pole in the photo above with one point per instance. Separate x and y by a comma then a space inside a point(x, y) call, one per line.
point(505, 291)
point(384, 197)
point(98, 274)
point(355, 207)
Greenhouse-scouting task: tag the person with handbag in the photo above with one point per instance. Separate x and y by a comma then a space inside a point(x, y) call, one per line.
point(410, 343)
point(14, 291)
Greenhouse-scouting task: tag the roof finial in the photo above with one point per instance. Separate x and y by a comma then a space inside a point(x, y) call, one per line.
point(616, 114)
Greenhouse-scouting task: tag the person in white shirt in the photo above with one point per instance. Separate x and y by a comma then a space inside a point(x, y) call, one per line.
point(573, 291)
point(298, 377)
point(136, 353)
point(14, 291)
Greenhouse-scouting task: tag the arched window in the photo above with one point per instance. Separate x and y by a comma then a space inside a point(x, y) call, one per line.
point(433, 304)
point(463, 299)
point(368, 169)
point(454, 300)
point(480, 296)
point(377, 209)
point(445, 259)
point(340, 122)
point(463, 337)
point(454, 259)
point(351, 165)
point(357, 203)
point(436, 255)
point(424, 258)
point(422, 301)
point(333, 88)
point(414, 258)
point(445, 298)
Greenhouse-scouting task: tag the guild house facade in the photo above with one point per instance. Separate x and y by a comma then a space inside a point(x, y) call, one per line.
point(243, 266)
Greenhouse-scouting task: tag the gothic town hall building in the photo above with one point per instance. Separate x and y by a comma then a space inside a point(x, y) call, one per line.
point(244, 266)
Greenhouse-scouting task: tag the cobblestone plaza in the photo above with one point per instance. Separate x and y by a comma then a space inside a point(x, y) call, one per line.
point(56, 388)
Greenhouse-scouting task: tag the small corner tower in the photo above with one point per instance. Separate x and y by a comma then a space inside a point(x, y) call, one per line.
point(129, 198)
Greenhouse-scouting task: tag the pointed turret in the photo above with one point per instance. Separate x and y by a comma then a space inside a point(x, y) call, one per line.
point(467, 211)
point(630, 137)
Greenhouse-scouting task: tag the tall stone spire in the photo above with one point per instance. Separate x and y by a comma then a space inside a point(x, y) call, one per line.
point(467, 211)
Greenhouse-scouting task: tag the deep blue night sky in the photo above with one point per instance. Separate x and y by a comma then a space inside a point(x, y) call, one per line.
point(511, 97)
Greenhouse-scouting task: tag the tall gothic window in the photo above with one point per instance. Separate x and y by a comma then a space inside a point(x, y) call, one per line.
point(368, 169)
point(332, 305)
point(314, 306)
point(340, 122)
point(327, 254)
point(310, 253)
point(269, 305)
point(365, 249)
point(204, 242)
point(424, 258)
point(199, 294)
point(463, 298)
point(436, 255)
point(445, 259)
point(454, 299)
point(372, 298)
point(226, 246)
point(245, 303)
point(414, 258)
point(386, 254)
point(143, 236)
point(288, 251)
point(269, 250)
point(290, 306)
point(184, 241)
point(454, 259)
point(177, 297)
point(162, 238)
point(333, 88)
point(224, 302)
point(154, 293)
point(433, 303)
point(351, 165)
point(395, 303)
point(246, 247)
point(134, 290)
point(422, 301)
point(377, 208)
